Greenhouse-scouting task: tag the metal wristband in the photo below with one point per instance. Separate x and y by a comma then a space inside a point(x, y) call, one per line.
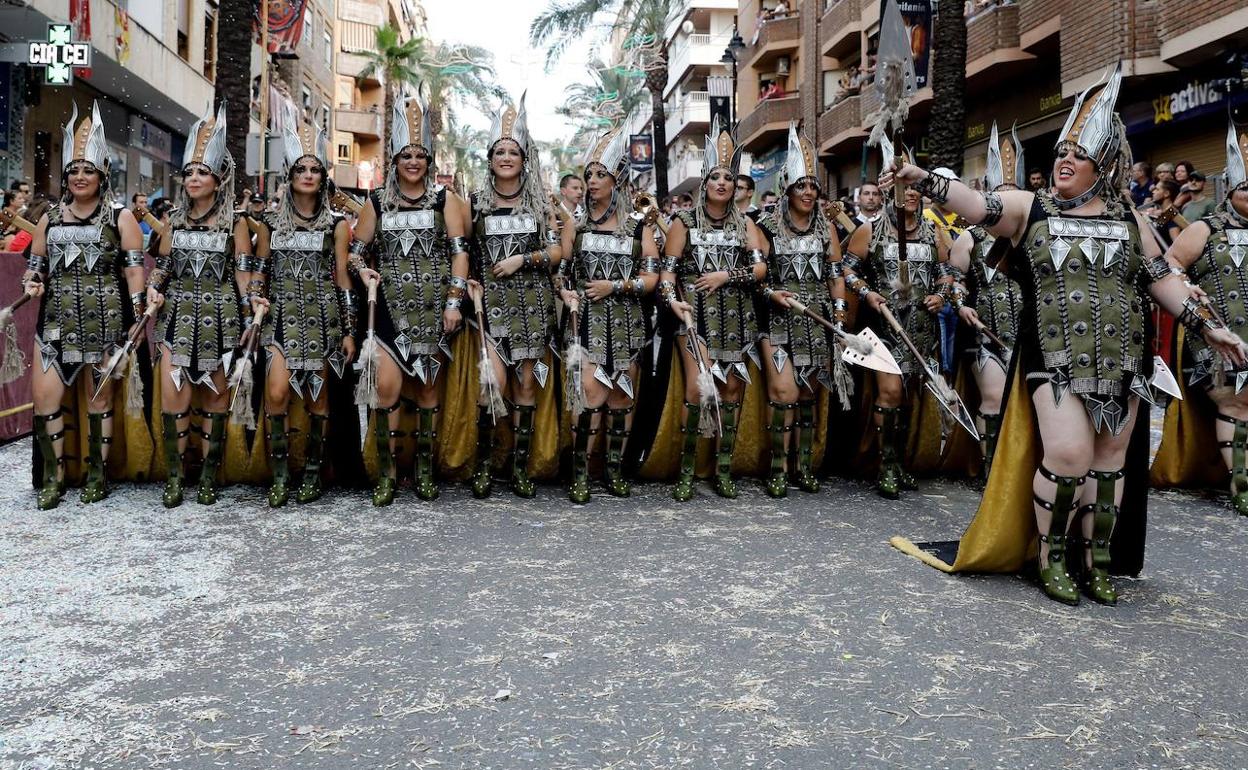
point(133, 258)
point(850, 262)
point(755, 256)
point(1158, 268)
point(740, 276)
point(617, 287)
point(357, 247)
point(650, 265)
point(255, 287)
point(350, 310)
point(638, 287)
point(455, 282)
point(266, 267)
point(669, 264)
point(840, 310)
point(453, 303)
point(138, 301)
point(156, 279)
point(667, 291)
point(37, 264)
point(245, 262)
point(834, 269)
point(768, 292)
point(1196, 317)
point(552, 237)
point(934, 186)
point(457, 244)
point(356, 263)
point(994, 209)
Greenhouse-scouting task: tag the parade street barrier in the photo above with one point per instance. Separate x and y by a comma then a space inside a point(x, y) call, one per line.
point(15, 401)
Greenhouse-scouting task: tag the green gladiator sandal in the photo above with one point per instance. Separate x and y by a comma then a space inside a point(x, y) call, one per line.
point(53, 488)
point(617, 438)
point(1239, 464)
point(95, 488)
point(777, 484)
point(578, 492)
point(279, 491)
point(426, 487)
point(901, 439)
point(1095, 581)
point(172, 437)
point(725, 485)
point(314, 451)
point(683, 490)
point(1055, 578)
point(805, 477)
point(992, 429)
point(207, 493)
point(521, 484)
point(481, 479)
point(888, 482)
point(387, 476)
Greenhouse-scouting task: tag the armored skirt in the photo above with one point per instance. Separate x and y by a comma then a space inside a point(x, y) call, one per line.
point(201, 320)
point(883, 271)
point(415, 264)
point(306, 325)
point(85, 309)
point(1221, 273)
point(724, 319)
point(997, 298)
point(614, 329)
point(798, 264)
point(519, 309)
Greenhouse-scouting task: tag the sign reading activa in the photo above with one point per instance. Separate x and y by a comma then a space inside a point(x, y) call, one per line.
point(1197, 95)
point(59, 55)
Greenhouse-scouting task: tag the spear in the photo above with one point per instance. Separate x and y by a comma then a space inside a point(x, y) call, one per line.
point(863, 348)
point(136, 333)
point(946, 397)
point(895, 82)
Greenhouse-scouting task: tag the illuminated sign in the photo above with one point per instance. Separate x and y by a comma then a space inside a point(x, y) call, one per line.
point(58, 55)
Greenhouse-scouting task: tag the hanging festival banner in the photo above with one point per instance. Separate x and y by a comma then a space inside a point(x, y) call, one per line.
point(80, 20)
point(916, 15)
point(285, 23)
point(641, 151)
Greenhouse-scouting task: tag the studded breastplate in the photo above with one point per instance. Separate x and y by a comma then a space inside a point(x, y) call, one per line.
point(998, 299)
point(412, 237)
point(194, 252)
point(506, 235)
point(300, 254)
point(798, 258)
point(1089, 314)
point(80, 248)
point(1222, 274)
point(711, 250)
point(606, 257)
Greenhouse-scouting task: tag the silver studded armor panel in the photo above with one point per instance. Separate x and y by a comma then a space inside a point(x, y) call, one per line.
point(725, 319)
point(798, 263)
point(1222, 273)
point(200, 321)
point(613, 329)
point(883, 273)
point(520, 311)
point(996, 297)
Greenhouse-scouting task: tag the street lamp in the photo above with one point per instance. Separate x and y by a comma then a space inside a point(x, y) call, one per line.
point(732, 55)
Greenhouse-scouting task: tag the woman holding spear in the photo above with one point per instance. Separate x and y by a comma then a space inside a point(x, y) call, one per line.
point(614, 262)
point(311, 308)
point(200, 284)
point(86, 263)
point(417, 232)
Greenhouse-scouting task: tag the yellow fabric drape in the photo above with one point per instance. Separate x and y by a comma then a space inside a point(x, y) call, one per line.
point(129, 455)
point(1188, 455)
point(240, 463)
point(1002, 536)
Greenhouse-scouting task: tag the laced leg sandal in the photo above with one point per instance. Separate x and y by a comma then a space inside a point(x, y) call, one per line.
point(989, 434)
point(52, 449)
point(901, 439)
point(1095, 578)
point(1239, 463)
point(279, 458)
point(521, 484)
point(1055, 578)
point(207, 493)
point(683, 490)
point(426, 487)
point(725, 485)
point(805, 476)
point(310, 485)
point(777, 483)
point(888, 482)
point(617, 437)
point(95, 488)
point(387, 475)
point(481, 479)
point(173, 436)
point(585, 432)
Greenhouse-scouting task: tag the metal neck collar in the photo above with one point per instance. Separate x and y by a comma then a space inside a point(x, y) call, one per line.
point(1066, 204)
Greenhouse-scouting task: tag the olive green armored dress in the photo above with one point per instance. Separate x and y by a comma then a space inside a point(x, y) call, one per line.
point(998, 300)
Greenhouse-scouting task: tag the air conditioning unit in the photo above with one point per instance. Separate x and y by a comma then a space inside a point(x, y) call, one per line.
point(782, 65)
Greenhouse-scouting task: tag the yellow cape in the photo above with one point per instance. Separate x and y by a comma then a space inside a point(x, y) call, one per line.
point(1188, 455)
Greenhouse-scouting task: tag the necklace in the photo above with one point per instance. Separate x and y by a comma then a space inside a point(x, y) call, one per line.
point(605, 216)
point(501, 196)
point(191, 218)
point(788, 221)
point(718, 220)
point(413, 201)
point(316, 213)
point(90, 216)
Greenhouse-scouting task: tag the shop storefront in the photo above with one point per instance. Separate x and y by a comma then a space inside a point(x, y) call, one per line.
point(1183, 117)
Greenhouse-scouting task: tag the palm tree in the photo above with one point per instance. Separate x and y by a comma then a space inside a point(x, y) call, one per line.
point(947, 126)
point(464, 149)
point(642, 21)
point(394, 63)
point(233, 86)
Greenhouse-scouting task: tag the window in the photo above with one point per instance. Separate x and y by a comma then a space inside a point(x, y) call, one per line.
point(210, 44)
point(325, 118)
point(344, 153)
point(305, 38)
point(307, 103)
point(329, 49)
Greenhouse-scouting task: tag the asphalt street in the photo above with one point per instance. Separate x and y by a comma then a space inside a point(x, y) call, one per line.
point(634, 633)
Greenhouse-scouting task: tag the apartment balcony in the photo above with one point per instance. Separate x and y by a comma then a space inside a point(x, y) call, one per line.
point(778, 37)
point(352, 65)
point(681, 11)
point(696, 50)
point(684, 173)
point(840, 28)
point(363, 122)
point(992, 39)
point(840, 125)
point(769, 121)
point(691, 113)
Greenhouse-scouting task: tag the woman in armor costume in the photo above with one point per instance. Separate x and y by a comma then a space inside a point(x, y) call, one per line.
point(712, 265)
point(517, 248)
point(422, 267)
point(310, 326)
point(203, 266)
point(914, 288)
point(1086, 277)
point(86, 262)
point(984, 293)
point(613, 264)
point(1212, 251)
point(804, 262)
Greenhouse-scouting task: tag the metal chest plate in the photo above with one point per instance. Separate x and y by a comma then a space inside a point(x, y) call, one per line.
point(297, 254)
point(67, 244)
point(919, 257)
point(405, 229)
point(607, 257)
point(508, 235)
point(1099, 240)
point(194, 250)
point(714, 250)
point(800, 256)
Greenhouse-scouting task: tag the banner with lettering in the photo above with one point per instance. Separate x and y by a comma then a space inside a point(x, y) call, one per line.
point(917, 17)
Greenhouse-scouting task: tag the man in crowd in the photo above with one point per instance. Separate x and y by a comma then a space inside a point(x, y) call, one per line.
point(745, 196)
point(572, 191)
point(256, 204)
point(138, 201)
point(870, 203)
point(1164, 171)
point(1200, 203)
point(21, 195)
point(1036, 180)
point(769, 201)
point(1141, 183)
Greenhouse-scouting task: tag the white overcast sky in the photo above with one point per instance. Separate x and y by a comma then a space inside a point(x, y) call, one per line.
point(502, 26)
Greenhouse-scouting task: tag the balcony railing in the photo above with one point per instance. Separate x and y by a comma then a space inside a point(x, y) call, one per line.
point(683, 172)
point(991, 30)
point(693, 107)
point(768, 116)
point(840, 27)
point(840, 122)
point(775, 36)
point(355, 121)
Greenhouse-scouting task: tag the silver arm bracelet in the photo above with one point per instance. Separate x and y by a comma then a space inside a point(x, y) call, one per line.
point(134, 258)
